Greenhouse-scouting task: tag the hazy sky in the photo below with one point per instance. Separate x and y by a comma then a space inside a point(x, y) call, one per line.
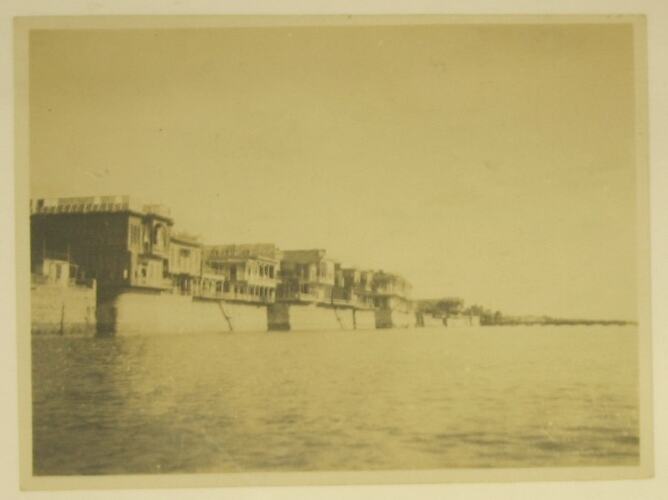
point(491, 163)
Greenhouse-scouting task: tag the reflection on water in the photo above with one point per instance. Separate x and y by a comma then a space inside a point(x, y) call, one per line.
point(396, 399)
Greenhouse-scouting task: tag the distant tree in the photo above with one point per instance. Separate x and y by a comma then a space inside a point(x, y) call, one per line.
point(476, 310)
point(454, 305)
point(449, 306)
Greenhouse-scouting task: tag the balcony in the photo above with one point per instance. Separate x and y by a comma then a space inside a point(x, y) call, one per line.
point(148, 282)
point(232, 297)
point(297, 296)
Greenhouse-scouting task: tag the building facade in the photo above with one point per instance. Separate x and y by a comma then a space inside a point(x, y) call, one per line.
point(112, 239)
point(184, 265)
point(357, 287)
point(141, 266)
point(61, 302)
point(307, 276)
point(393, 306)
point(247, 273)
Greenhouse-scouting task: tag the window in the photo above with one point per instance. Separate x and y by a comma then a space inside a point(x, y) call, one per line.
point(159, 236)
point(135, 235)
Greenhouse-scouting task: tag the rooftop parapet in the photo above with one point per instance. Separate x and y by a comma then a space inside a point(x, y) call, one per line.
point(304, 256)
point(96, 204)
point(242, 251)
point(391, 284)
point(185, 238)
point(309, 266)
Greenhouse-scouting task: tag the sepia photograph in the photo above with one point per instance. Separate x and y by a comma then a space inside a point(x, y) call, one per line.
point(333, 249)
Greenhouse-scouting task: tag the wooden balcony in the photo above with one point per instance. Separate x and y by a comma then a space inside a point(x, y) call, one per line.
point(148, 282)
point(232, 297)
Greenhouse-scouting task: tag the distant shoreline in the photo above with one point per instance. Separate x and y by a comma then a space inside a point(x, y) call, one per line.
point(563, 322)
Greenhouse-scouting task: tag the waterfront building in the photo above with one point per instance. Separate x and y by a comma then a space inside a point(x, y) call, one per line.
point(392, 301)
point(185, 263)
point(113, 239)
point(52, 270)
point(312, 295)
point(247, 272)
point(340, 295)
point(150, 279)
point(391, 290)
point(307, 276)
point(61, 301)
point(358, 287)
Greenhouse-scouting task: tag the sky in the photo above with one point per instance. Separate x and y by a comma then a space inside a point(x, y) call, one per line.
point(490, 162)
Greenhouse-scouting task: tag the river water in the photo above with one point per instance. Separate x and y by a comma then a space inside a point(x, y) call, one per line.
point(360, 400)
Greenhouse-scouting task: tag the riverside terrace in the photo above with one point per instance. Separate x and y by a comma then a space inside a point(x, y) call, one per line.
point(124, 244)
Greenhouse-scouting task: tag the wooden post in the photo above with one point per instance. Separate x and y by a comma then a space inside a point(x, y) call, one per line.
point(62, 319)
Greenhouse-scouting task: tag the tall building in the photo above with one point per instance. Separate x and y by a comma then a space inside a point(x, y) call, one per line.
point(248, 272)
point(392, 301)
point(358, 287)
point(112, 239)
point(185, 263)
point(307, 276)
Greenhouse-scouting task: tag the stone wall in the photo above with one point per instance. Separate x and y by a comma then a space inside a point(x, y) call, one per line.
point(245, 317)
point(63, 310)
point(364, 319)
point(133, 312)
point(427, 320)
point(300, 317)
point(462, 321)
point(391, 318)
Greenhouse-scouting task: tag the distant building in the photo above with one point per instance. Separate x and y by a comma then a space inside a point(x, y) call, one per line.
point(185, 263)
point(391, 290)
point(392, 301)
point(307, 276)
point(113, 239)
point(241, 272)
point(53, 271)
point(59, 271)
point(148, 277)
point(60, 301)
point(358, 287)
